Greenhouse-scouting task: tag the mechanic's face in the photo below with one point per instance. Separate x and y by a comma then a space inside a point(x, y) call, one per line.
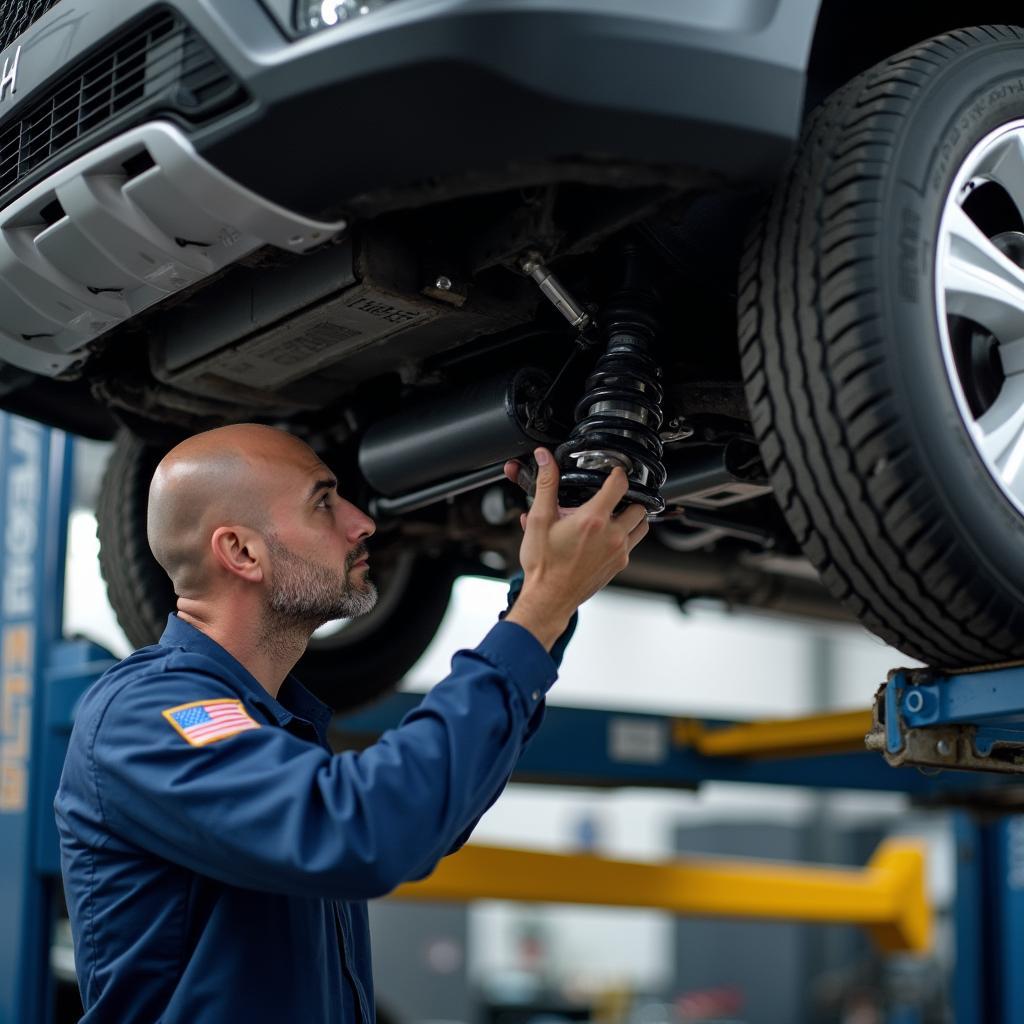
point(318, 555)
point(311, 593)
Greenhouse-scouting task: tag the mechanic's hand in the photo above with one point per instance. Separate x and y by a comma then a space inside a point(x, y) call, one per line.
point(525, 477)
point(568, 558)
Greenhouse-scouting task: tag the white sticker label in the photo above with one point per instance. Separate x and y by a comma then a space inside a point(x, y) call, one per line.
point(284, 354)
point(1015, 853)
point(638, 740)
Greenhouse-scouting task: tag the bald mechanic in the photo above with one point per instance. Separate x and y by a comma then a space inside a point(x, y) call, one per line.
point(216, 855)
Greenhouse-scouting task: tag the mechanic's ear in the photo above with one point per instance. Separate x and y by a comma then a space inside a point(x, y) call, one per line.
point(235, 550)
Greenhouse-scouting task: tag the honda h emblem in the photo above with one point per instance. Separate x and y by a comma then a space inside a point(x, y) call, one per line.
point(9, 78)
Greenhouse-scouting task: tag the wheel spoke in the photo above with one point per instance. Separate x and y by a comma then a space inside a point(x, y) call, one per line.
point(999, 434)
point(979, 281)
point(1005, 165)
point(1012, 357)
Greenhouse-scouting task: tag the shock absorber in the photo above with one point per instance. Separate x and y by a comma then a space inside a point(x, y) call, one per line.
point(620, 414)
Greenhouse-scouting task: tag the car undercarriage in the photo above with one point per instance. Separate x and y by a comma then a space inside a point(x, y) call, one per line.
point(754, 268)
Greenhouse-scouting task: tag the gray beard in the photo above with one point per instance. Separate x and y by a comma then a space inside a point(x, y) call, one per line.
point(304, 594)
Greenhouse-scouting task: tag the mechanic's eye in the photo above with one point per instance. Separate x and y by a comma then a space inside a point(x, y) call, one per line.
point(324, 502)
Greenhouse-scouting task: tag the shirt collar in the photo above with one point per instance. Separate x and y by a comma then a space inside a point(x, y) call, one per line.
point(294, 699)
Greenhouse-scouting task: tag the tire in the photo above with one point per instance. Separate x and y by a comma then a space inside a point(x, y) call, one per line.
point(856, 397)
point(347, 668)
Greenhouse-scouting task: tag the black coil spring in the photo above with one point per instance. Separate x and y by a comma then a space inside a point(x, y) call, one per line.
point(627, 378)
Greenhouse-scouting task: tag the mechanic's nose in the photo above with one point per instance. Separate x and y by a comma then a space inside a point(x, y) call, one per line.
point(358, 525)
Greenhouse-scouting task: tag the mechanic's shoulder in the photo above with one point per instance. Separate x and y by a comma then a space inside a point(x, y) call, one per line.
point(149, 681)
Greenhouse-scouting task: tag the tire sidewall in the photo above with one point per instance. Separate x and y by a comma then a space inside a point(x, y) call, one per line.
point(980, 90)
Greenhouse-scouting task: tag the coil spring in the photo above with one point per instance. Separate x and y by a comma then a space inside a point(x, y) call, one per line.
point(617, 424)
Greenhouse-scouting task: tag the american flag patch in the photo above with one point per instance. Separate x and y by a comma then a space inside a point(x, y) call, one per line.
point(203, 721)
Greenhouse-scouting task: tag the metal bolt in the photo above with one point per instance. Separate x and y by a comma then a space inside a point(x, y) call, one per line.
point(914, 701)
point(444, 283)
point(530, 262)
point(943, 748)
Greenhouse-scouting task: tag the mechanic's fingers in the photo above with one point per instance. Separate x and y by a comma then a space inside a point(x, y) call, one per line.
point(511, 470)
point(629, 518)
point(613, 490)
point(637, 534)
point(522, 520)
point(545, 498)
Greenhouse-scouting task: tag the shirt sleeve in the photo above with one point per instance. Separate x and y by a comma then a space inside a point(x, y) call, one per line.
point(557, 653)
point(515, 586)
point(265, 809)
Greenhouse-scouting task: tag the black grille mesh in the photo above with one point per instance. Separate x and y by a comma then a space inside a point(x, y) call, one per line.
point(17, 15)
point(161, 64)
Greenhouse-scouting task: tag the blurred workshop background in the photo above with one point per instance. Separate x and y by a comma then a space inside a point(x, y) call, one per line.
point(525, 963)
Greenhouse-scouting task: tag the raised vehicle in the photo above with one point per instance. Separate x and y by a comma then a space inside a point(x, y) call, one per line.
point(766, 255)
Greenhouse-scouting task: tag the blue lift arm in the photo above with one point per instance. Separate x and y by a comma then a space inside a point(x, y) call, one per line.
point(600, 748)
point(968, 720)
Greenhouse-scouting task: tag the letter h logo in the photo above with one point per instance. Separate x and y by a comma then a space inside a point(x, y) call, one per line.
point(9, 79)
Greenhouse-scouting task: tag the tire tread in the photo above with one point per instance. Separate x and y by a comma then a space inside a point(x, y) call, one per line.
point(823, 410)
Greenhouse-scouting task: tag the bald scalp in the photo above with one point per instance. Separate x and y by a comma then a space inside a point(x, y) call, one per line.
point(222, 477)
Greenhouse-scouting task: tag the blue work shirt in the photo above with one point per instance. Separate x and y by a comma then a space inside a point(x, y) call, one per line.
point(222, 879)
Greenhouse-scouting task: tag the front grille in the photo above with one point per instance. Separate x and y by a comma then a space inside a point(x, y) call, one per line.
point(18, 15)
point(158, 65)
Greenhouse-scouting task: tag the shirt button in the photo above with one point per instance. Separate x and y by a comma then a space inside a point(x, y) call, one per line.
point(535, 695)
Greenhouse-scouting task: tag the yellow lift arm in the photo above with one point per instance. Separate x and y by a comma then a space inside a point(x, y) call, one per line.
point(888, 897)
point(780, 737)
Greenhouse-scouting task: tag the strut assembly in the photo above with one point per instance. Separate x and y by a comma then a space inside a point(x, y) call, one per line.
point(449, 443)
point(620, 414)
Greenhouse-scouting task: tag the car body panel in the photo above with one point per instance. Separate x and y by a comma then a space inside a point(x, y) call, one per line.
point(428, 88)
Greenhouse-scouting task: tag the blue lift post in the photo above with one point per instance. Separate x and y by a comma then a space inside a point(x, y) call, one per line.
point(34, 485)
point(42, 676)
point(988, 986)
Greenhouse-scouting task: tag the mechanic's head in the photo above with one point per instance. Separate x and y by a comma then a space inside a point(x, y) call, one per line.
point(248, 510)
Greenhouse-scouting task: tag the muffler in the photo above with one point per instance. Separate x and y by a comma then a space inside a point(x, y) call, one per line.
point(479, 425)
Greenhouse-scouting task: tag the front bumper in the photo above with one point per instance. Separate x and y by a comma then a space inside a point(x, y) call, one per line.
point(124, 242)
point(428, 90)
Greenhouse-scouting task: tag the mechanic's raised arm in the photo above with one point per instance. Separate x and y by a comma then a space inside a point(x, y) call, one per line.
point(567, 559)
point(267, 810)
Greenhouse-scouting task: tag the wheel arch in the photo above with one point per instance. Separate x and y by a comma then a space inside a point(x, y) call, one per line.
point(850, 38)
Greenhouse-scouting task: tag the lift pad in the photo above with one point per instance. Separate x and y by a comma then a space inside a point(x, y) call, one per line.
point(888, 897)
point(972, 720)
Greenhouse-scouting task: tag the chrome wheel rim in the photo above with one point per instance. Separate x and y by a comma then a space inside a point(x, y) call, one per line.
point(980, 301)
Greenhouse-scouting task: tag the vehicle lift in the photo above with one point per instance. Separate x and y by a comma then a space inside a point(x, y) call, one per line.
point(945, 740)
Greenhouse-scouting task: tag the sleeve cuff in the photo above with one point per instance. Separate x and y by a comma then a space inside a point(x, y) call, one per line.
point(522, 658)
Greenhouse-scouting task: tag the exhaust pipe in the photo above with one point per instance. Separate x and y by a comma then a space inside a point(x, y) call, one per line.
point(440, 448)
point(478, 426)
